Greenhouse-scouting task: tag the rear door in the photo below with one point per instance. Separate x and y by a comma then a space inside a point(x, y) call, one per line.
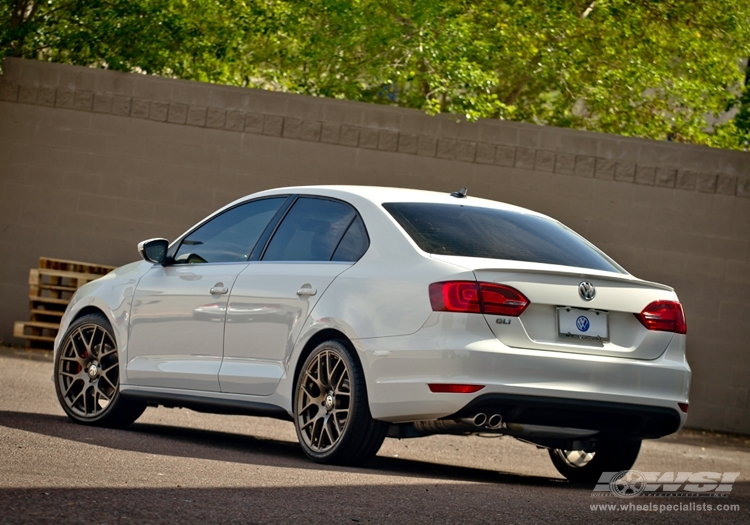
point(317, 240)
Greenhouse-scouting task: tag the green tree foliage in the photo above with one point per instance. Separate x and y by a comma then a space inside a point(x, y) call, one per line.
point(648, 68)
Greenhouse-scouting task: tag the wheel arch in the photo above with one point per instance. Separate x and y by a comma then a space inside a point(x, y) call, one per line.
point(88, 310)
point(326, 334)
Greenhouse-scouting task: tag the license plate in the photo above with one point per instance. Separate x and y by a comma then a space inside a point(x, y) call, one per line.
point(582, 324)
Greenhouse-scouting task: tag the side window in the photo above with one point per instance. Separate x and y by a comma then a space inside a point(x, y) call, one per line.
point(354, 244)
point(311, 230)
point(231, 236)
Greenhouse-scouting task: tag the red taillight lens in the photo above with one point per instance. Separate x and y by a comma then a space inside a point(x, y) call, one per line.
point(502, 300)
point(683, 407)
point(474, 297)
point(454, 389)
point(455, 296)
point(664, 316)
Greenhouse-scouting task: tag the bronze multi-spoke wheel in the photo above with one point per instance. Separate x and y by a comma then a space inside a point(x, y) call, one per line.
point(581, 466)
point(331, 413)
point(87, 375)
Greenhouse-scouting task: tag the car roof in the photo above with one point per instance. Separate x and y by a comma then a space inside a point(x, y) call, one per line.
point(381, 194)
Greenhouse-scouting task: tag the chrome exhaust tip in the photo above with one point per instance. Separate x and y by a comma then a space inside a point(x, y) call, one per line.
point(495, 421)
point(480, 419)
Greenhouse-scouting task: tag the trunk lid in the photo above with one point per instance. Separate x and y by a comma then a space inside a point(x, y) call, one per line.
point(559, 319)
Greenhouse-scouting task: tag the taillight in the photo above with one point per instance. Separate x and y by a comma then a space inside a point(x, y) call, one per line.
point(664, 316)
point(476, 297)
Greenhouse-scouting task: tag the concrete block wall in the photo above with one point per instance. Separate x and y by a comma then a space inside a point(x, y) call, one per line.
point(93, 161)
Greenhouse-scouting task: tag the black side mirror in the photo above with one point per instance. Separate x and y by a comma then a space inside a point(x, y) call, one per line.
point(153, 250)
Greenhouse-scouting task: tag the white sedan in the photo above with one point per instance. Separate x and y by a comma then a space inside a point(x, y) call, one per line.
point(365, 312)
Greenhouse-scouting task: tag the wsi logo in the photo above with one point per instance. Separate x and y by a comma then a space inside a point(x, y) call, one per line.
point(583, 323)
point(632, 483)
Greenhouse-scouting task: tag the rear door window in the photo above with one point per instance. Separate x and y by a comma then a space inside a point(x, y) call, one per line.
point(470, 231)
point(312, 230)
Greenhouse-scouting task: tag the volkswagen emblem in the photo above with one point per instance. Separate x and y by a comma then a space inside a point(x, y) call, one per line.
point(586, 290)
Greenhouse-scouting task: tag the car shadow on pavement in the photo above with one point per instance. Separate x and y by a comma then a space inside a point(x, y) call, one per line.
point(188, 442)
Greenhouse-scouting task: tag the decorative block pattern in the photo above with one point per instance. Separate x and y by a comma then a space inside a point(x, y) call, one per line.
point(585, 166)
point(408, 143)
point(272, 125)
point(253, 123)
point(27, 94)
point(534, 157)
point(215, 118)
point(158, 111)
point(545, 161)
point(388, 140)
point(706, 182)
point(485, 153)
point(525, 158)
point(666, 177)
point(645, 175)
point(605, 169)
point(103, 103)
point(178, 113)
point(311, 130)
point(235, 120)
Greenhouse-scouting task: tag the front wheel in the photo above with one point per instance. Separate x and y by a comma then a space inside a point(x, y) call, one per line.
point(580, 466)
point(331, 410)
point(87, 376)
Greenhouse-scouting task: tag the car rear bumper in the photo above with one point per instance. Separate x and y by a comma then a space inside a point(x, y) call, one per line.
point(573, 390)
point(619, 420)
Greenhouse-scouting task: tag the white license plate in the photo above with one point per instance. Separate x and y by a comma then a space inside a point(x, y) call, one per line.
point(582, 324)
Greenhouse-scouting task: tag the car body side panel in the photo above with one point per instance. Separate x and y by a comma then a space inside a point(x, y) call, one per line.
point(112, 295)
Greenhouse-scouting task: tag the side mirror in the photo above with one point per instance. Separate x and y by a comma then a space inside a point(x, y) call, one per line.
point(153, 250)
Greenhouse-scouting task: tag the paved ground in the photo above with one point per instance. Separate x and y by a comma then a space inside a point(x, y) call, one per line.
point(179, 466)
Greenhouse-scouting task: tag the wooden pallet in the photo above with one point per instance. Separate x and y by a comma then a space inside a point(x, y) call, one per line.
point(74, 266)
point(51, 286)
point(57, 284)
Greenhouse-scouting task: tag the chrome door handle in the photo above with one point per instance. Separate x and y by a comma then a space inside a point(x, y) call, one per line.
point(306, 290)
point(219, 289)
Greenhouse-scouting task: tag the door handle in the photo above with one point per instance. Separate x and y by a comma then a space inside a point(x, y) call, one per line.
point(219, 289)
point(306, 290)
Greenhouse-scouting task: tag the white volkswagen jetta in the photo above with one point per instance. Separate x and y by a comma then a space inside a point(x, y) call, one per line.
point(365, 312)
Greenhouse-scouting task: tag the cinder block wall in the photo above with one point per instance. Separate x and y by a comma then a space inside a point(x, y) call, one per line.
point(93, 161)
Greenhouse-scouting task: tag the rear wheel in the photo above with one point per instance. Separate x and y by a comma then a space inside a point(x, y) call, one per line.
point(331, 410)
point(580, 466)
point(87, 376)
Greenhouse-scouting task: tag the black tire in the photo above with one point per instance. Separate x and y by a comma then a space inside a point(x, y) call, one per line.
point(610, 456)
point(87, 376)
point(331, 411)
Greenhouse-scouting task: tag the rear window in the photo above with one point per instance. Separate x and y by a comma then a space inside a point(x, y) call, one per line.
point(468, 231)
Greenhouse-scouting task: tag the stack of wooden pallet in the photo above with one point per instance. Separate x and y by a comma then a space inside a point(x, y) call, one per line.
point(51, 287)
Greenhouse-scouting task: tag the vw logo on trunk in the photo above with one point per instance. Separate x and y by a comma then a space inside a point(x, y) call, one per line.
point(587, 290)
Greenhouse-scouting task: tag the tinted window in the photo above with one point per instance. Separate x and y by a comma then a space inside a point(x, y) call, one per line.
point(354, 244)
point(231, 236)
point(468, 231)
point(310, 231)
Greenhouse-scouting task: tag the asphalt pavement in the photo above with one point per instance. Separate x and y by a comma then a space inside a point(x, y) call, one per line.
point(180, 466)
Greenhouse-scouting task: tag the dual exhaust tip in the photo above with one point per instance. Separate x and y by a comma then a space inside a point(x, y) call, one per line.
point(493, 422)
